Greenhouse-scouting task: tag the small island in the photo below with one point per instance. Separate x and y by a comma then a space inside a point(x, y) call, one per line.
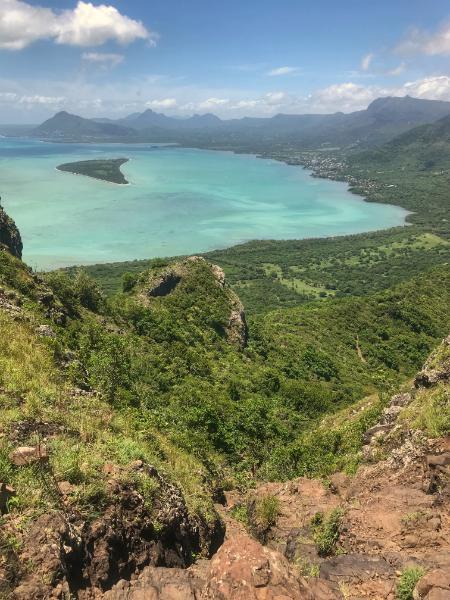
point(104, 169)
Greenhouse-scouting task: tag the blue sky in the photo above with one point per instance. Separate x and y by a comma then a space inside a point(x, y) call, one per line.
point(236, 58)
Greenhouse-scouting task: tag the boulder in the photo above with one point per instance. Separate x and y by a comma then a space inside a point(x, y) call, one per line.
point(243, 569)
point(351, 567)
point(45, 331)
point(27, 455)
point(157, 583)
point(434, 585)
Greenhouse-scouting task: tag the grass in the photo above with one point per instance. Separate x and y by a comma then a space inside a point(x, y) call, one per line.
point(429, 411)
point(407, 582)
point(267, 510)
point(326, 531)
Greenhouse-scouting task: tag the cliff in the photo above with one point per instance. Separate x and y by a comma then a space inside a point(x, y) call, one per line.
point(9, 235)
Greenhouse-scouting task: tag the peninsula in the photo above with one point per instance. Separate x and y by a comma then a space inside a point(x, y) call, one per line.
point(106, 170)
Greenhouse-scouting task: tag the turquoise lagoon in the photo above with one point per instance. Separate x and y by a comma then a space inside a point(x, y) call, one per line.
point(179, 201)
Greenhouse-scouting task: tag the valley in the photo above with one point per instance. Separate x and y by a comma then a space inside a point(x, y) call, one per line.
point(174, 423)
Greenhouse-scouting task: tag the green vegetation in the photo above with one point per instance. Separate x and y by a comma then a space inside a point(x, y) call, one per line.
point(105, 169)
point(407, 582)
point(275, 274)
point(266, 511)
point(430, 411)
point(174, 392)
point(326, 531)
point(258, 412)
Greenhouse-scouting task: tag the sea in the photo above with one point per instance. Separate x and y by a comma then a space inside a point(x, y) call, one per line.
point(179, 201)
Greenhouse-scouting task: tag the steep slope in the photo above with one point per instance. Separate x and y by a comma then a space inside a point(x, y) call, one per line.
point(9, 235)
point(122, 422)
point(424, 148)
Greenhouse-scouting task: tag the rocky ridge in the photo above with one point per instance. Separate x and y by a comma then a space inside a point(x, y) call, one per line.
point(163, 283)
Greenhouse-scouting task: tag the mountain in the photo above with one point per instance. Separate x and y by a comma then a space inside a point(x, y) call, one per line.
point(383, 119)
point(412, 110)
point(421, 149)
point(150, 119)
point(67, 126)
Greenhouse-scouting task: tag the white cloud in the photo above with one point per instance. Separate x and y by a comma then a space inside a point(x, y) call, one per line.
point(343, 97)
point(162, 104)
point(425, 42)
point(212, 103)
point(275, 98)
point(36, 100)
point(366, 61)
point(433, 88)
point(7, 97)
point(397, 70)
point(103, 58)
point(245, 104)
point(86, 25)
point(50, 101)
point(282, 71)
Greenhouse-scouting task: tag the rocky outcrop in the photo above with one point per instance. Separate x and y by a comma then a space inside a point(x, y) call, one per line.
point(435, 585)
point(88, 557)
point(165, 282)
point(158, 583)
point(243, 569)
point(436, 368)
point(9, 235)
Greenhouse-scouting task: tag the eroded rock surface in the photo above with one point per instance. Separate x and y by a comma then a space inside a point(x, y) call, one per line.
point(72, 556)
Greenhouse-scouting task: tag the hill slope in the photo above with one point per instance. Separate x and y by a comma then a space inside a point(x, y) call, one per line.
point(121, 422)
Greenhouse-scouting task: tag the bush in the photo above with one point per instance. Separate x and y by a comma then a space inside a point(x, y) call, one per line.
point(407, 583)
point(129, 281)
point(326, 531)
point(267, 510)
point(88, 292)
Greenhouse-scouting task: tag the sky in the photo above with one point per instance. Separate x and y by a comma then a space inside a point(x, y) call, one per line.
point(235, 58)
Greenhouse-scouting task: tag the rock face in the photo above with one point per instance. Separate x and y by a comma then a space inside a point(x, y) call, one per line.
point(9, 235)
point(72, 556)
point(158, 583)
point(435, 585)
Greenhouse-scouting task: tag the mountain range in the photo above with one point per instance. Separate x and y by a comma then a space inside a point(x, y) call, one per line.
point(384, 119)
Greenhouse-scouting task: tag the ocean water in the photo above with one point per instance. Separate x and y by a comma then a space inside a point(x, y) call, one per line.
point(179, 201)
